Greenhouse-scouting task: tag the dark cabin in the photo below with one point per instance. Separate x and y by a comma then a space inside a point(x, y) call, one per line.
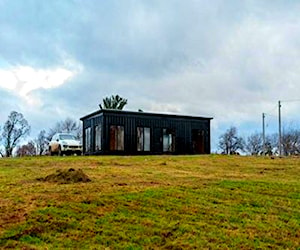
point(132, 133)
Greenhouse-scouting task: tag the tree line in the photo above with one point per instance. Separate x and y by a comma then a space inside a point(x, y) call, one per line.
point(17, 128)
point(231, 143)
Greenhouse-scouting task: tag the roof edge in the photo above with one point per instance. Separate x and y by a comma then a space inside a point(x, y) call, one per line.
point(143, 113)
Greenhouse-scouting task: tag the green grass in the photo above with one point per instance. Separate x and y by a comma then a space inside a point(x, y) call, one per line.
point(152, 202)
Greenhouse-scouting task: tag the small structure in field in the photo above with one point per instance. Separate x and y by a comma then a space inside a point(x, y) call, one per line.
point(132, 133)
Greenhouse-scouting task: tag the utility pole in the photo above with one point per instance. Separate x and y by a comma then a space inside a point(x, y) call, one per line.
point(263, 133)
point(279, 128)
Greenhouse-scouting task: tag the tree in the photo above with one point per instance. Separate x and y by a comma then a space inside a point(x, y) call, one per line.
point(66, 126)
point(254, 144)
point(291, 142)
point(230, 142)
point(41, 142)
point(15, 128)
point(271, 144)
point(113, 102)
point(26, 150)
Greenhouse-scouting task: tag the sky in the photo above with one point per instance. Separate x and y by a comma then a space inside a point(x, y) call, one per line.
point(227, 59)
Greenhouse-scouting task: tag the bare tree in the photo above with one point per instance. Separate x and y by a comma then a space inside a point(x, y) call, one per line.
point(15, 128)
point(271, 144)
point(230, 142)
point(113, 102)
point(291, 142)
point(26, 150)
point(254, 144)
point(66, 126)
point(41, 142)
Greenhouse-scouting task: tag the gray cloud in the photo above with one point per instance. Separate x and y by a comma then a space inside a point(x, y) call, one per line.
point(231, 60)
point(8, 101)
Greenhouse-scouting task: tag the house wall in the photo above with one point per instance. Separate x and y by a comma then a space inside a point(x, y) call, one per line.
point(91, 123)
point(182, 127)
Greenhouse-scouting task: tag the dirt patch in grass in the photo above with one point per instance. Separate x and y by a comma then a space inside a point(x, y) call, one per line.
point(66, 176)
point(268, 170)
point(151, 183)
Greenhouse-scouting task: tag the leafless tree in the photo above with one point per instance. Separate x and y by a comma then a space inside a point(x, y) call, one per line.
point(66, 126)
point(291, 142)
point(230, 142)
point(254, 144)
point(15, 128)
point(271, 144)
point(41, 142)
point(26, 150)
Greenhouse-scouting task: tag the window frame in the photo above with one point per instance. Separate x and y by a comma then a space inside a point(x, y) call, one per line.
point(168, 135)
point(88, 139)
point(118, 144)
point(98, 137)
point(143, 139)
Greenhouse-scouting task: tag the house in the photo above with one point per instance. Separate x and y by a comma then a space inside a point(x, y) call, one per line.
point(132, 133)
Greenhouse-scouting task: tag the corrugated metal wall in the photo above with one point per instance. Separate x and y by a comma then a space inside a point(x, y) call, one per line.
point(182, 126)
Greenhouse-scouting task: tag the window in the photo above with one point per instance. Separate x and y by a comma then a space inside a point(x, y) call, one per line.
point(98, 135)
point(116, 138)
point(143, 139)
point(87, 139)
point(168, 140)
point(198, 139)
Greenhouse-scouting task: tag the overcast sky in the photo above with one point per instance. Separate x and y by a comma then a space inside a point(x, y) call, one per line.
point(231, 60)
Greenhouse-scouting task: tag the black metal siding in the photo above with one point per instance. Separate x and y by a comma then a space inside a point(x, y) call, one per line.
point(92, 122)
point(183, 127)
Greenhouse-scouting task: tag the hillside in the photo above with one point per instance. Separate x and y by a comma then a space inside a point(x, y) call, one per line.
point(150, 202)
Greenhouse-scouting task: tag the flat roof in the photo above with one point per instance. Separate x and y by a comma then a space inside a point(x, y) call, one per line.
point(115, 111)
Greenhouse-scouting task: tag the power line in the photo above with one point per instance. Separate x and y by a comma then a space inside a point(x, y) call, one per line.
point(273, 115)
point(292, 100)
point(270, 111)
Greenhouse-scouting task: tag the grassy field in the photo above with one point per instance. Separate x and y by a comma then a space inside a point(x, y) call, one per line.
point(151, 202)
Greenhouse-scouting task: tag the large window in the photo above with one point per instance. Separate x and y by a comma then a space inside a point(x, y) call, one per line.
point(116, 138)
point(168, 140)
point(98, 136)
point(87, 139)
point(143, 139)
point(198, 139)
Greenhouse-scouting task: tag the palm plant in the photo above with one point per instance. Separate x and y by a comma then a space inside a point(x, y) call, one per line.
point(113, 102)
